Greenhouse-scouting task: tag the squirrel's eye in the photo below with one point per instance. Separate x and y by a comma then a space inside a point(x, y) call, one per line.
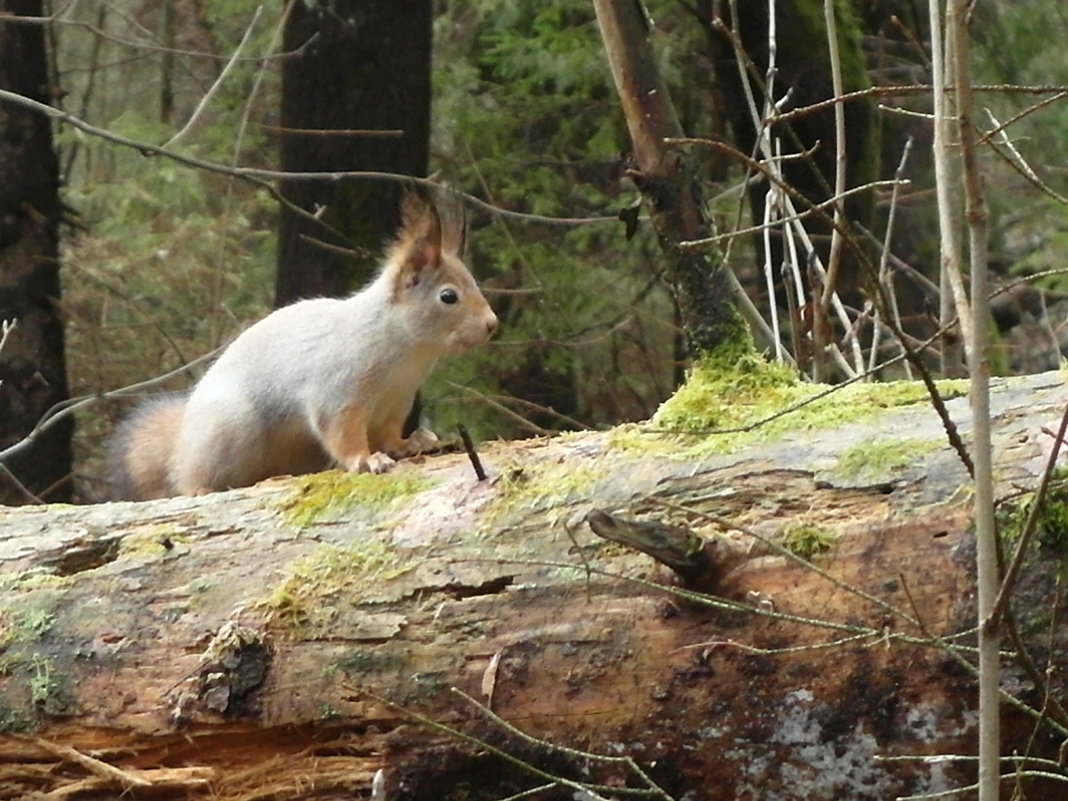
point(449, 296)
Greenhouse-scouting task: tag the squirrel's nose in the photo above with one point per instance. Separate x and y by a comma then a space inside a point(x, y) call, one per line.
point(492, 325)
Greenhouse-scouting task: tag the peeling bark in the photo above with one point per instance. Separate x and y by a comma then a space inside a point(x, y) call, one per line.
point(277, 641)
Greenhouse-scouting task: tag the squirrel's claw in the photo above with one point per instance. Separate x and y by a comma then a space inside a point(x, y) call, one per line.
point(377, 462)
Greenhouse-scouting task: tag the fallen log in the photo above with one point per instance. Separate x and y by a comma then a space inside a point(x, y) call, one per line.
point(425, 634)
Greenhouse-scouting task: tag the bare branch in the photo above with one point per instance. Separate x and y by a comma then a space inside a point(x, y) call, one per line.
point(834, 258)
point(885, 273)
point(908, 90)
point(71, 405)
point(57, 18)
point(997, 138)
point(213, 90)
point(262, 178)
point(1030, 524)
point(6, 327)
point(894, 185)
point(945, 183)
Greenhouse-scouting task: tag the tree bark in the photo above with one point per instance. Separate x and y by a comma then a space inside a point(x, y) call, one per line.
point(280, 641)
point(32, 367)
point(355, 97)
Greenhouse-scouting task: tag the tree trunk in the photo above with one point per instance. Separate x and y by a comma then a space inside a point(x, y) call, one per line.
point(356, 97)
point(33, 373)
point(699, 279)
point(292, 639)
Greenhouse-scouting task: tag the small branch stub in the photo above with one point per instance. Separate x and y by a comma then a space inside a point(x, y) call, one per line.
point(472, 454)
point(673, 546)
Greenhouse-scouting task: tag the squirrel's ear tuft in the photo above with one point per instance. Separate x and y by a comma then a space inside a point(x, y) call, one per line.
point(453, 218)
point(417, 210)
point(441, 206)
point(417, 247)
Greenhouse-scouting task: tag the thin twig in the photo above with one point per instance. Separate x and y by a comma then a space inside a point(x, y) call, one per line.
point(18, 485)
point(262, 178)
point(580, 788)
point(359, 133)
point(1018, 162)
point(716, 602)
point(894, 185)
point(781, 550)
point(1031, 523)
point(91, 764)
point(999, 129)
point(793, 649)
point(885, 274)
point(6, 327)
point(834, 258)
point(905, 90)
point(71, 405)
point(498, 402)
point(654, 789)
point(140, 44)
point(213, 90)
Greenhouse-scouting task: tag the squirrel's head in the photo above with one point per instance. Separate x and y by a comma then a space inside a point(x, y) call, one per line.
point(429, 281)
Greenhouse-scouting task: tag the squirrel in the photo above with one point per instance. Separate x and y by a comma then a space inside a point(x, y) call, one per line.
point(319, 383)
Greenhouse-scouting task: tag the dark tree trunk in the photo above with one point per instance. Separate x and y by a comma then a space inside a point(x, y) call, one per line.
point(32, 368)
point(364, 66)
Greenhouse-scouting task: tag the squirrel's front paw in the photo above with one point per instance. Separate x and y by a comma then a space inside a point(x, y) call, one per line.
point(421, 440)
point(377, 462)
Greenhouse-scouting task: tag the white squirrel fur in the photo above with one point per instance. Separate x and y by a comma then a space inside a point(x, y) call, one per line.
point(318, 383)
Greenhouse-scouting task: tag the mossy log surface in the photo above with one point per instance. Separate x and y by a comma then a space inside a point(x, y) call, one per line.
point(278, 641)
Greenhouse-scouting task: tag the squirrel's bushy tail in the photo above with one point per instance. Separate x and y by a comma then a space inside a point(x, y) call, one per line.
point(139, 461)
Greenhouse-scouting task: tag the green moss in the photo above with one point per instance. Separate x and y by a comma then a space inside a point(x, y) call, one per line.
point(13, 721)
point(733, 404)
point(329, 495)
point(806, 540)
point(286, 607)
point(33, 580)
point(537, 486)
point(26, 620)
point(199, 586)
point(42, 682)
point(149, 544)
point(875, 460)
point(42, 689)
point(314, 583)
point(722, 392)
